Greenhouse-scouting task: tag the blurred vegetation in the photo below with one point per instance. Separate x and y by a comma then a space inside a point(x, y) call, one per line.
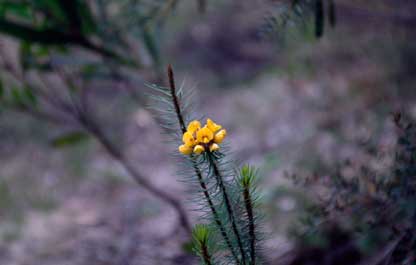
point(377, 208)
point(101, 26)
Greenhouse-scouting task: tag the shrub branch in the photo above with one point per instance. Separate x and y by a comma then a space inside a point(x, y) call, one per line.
point(198, 172)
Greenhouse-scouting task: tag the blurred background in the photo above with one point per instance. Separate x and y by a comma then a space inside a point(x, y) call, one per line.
point(304, 94)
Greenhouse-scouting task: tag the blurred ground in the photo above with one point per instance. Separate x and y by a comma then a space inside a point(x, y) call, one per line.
point(297, 108)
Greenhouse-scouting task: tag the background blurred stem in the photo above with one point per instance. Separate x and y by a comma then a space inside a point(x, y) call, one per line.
point(79, 112)
point(91, 126)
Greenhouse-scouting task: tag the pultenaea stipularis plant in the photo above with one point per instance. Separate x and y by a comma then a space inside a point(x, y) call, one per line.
point(225, 196)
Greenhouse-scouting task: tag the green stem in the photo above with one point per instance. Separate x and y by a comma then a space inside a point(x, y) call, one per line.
point(214, 212)
point(228, 205)
point(249, 208)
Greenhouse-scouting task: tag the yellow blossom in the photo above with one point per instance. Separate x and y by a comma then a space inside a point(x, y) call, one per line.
point(188, 139)
point(198, 140)
point(204, 135)
point(198, 149)
point(219, 136)
point(213, 126)
point(214, 147)
point(186, 150)
point(194, 126)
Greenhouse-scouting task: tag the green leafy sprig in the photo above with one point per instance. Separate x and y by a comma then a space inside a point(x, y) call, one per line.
point(225, 198)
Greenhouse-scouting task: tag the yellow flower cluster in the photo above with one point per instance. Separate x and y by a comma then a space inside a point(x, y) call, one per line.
point(198, 140)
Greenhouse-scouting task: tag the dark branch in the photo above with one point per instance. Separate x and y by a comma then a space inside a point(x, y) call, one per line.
point(175, 99)
point(51, 37)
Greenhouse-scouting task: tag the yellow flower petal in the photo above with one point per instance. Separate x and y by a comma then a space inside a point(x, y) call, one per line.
point(213, 126)
point(204, 135)
point(188, 139)
point(214, 147)
point(194, 126)
point(186, 150)
point(219, 136)
point(198, 149)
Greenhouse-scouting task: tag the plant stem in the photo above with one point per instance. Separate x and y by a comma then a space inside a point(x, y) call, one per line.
point(205, 255)
point(249, 208)
point(215, 213)
point(197, 170)
point(227, 205)
point(175, 99)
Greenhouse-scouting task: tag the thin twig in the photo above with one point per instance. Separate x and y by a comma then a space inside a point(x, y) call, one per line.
point(175, 99)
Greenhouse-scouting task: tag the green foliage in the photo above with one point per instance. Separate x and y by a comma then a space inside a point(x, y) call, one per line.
point(248, 179)
point(57, 15)
point(247, 176)
point(201, 234)
point(47, 28)
point(202, 241)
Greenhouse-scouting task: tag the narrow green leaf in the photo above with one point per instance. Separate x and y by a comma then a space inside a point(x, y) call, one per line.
point(69, 139)
point(21, 10)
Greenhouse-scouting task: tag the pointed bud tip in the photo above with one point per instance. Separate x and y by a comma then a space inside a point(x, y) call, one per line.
point(170, 72)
